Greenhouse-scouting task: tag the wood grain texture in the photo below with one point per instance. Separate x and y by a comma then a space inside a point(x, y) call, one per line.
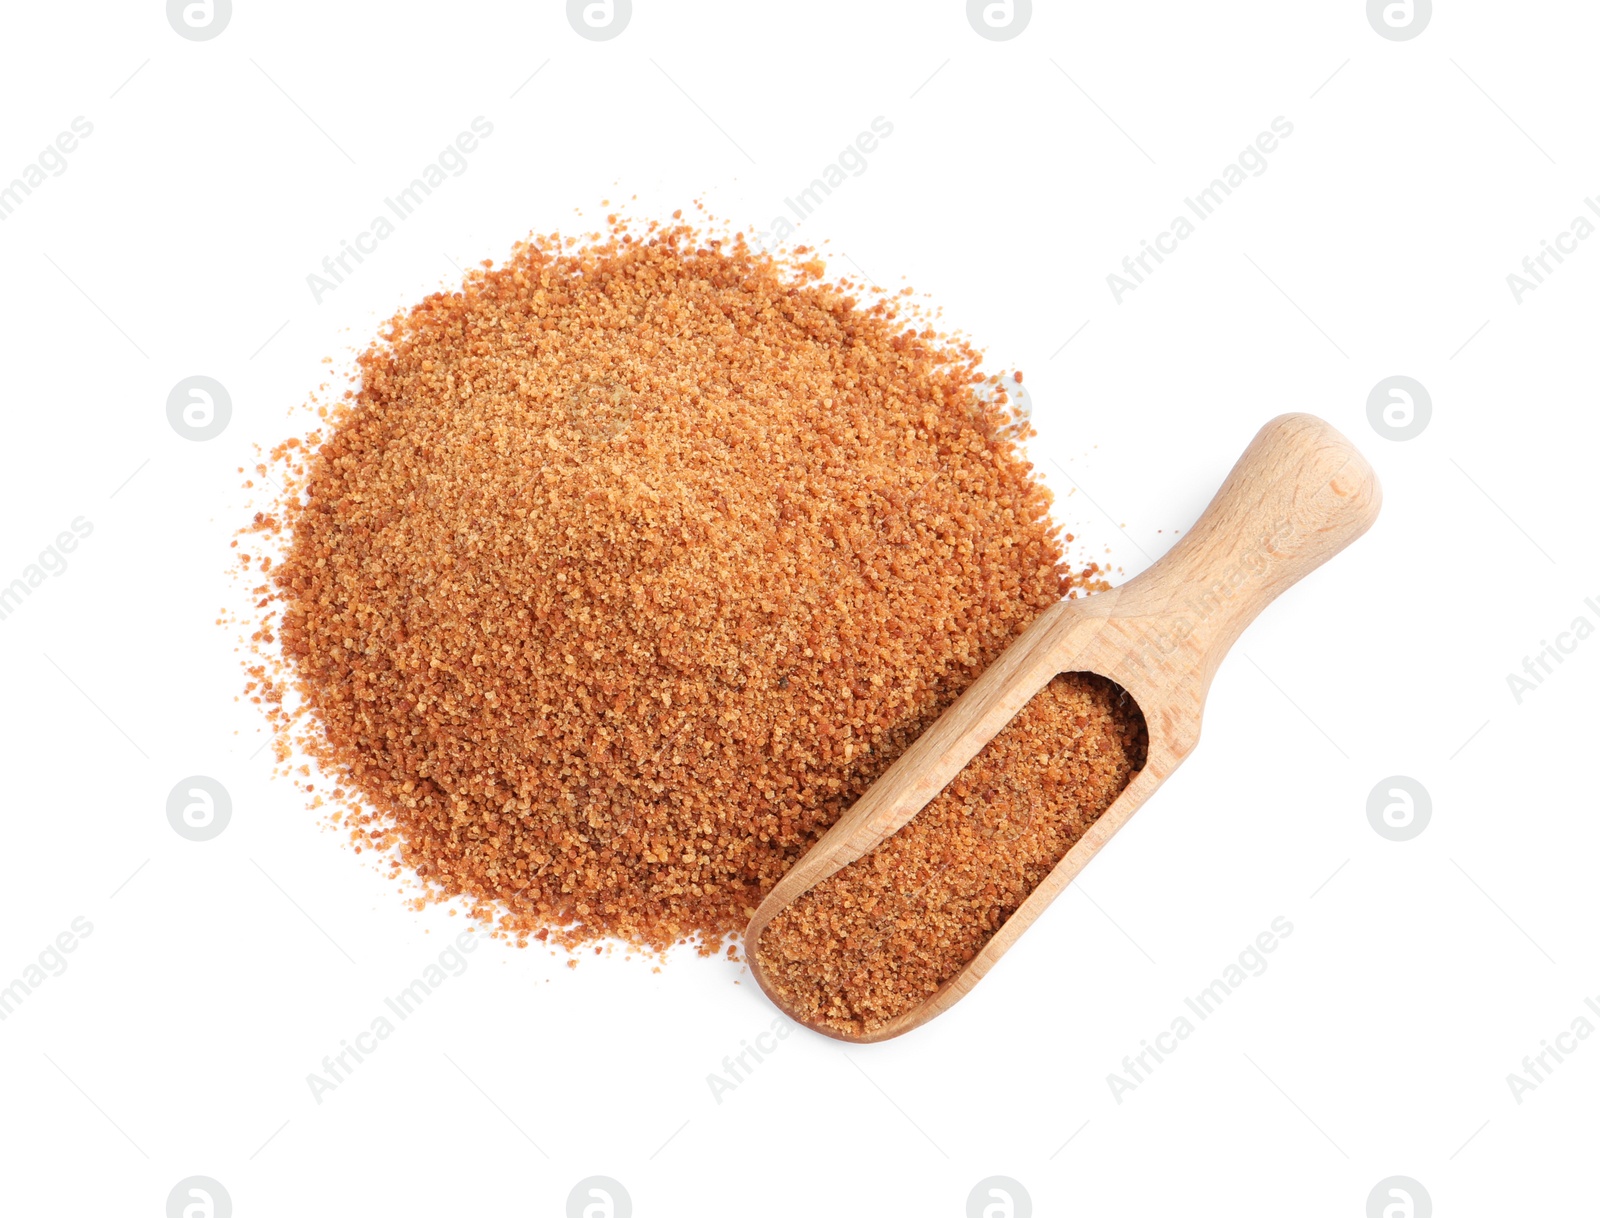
point(1299, 494)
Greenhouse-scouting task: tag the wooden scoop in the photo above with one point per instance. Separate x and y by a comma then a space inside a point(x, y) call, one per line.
point(1298, 495)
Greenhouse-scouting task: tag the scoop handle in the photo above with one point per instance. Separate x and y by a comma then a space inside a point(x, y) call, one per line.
point(1299, 494)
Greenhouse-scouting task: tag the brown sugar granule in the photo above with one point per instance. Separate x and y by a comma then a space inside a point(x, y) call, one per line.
point(632, 563)
point(880, 935)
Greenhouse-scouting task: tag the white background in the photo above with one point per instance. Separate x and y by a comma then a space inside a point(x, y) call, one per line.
point(1418, 975)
